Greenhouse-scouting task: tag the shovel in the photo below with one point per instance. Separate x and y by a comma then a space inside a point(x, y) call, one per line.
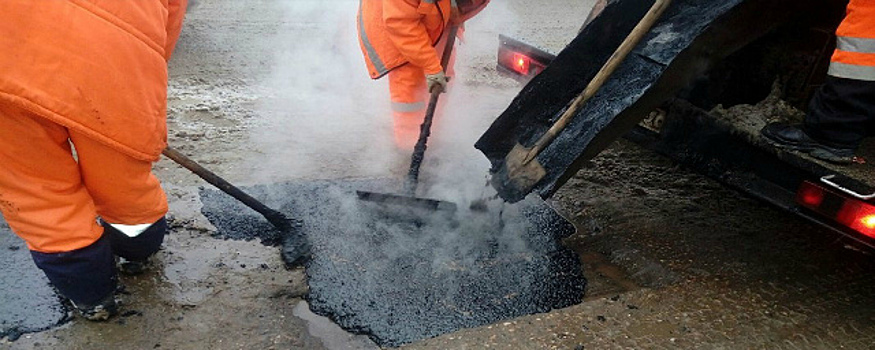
point(521, 170)
point(293, 254)
point(409, 198)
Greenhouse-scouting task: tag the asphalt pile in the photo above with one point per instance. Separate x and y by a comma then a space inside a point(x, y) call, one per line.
point(400, 276)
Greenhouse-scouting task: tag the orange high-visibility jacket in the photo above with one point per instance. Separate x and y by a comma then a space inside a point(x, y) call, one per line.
point(854, 57)
point(395, 32)
point(95, 66)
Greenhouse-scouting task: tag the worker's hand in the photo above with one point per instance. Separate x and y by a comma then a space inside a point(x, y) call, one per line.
point(437, 82)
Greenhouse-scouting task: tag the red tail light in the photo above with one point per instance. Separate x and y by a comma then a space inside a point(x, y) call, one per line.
point(521, 63)
point(520, 60)
point(853, 213)
point(858, 216)
point(809, 195)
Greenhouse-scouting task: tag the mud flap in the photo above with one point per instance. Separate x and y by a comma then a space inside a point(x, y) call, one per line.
point(690, 37)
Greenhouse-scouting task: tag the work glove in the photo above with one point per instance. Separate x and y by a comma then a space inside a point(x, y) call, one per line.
point(437, 82)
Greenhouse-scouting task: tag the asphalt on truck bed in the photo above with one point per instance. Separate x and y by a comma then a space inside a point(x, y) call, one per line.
point(748, 120)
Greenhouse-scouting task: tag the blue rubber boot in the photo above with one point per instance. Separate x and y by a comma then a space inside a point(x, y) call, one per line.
point(86, 276)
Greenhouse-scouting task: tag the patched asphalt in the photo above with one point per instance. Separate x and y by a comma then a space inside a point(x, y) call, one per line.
point(400, 275)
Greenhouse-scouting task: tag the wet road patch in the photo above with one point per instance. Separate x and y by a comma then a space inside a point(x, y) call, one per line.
point(400, 278)
point(27, 301)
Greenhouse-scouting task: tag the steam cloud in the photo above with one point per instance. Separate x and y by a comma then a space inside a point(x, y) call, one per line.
point(323, 117)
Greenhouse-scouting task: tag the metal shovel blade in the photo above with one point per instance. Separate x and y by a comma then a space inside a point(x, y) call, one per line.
point(519, 174)
point(407, 201)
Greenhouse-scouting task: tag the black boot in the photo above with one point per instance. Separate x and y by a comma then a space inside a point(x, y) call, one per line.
point(135, 251)
point(102, 311)
point(85, 276)
point(794, 138)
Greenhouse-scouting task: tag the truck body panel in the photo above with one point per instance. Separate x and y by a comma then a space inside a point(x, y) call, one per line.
point(712, 124)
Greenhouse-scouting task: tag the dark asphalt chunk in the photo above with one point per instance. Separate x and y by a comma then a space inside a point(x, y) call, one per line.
point(27, 301)
point(398, 278)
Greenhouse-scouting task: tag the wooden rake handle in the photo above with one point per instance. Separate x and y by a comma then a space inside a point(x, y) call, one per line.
point(602, 76)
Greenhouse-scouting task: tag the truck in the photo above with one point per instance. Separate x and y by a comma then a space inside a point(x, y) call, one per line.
point(699, 87)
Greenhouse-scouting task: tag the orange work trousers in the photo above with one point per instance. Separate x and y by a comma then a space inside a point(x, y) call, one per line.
point(52, 200)
point(408, 91)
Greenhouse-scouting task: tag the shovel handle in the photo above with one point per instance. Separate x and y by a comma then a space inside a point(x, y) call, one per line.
point(602, 76)
point(276, 218)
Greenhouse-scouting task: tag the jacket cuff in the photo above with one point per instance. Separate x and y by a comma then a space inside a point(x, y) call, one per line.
point(434, 69)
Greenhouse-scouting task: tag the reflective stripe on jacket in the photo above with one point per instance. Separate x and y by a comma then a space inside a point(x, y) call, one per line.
point(854, 57)
point(395, 32)
point(95, 66)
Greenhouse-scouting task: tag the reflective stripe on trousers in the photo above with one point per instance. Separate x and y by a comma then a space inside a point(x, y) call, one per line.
point(409, 94)
point(407, 88)
point(405, 107)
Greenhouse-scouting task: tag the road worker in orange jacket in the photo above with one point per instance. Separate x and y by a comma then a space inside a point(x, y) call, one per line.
point(83, 97)
point(842, 112)
point(402, 38)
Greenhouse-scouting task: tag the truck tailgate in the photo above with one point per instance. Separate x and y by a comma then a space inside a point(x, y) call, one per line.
point(691, 35)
